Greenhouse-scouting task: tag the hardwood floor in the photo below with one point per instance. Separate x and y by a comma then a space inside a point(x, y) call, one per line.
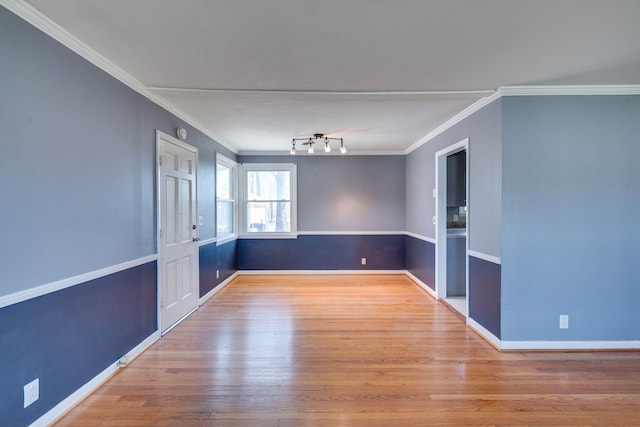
point(335, 350)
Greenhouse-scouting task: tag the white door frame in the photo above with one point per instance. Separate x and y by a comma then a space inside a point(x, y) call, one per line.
point(441, 217)
point(161, 136)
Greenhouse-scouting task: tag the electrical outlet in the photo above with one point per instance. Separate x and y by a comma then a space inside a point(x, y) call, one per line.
point(200, 220)
point(122, 362)
point(564, 321)
point(363, 261)
point(31, 392)
point(217, 274)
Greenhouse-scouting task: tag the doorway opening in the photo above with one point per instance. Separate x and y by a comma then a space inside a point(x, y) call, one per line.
point(452, 219)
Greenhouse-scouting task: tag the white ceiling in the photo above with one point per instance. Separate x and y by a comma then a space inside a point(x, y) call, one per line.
point(269, 71)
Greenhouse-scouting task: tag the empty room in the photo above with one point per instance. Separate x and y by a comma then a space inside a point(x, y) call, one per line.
point(335, 213)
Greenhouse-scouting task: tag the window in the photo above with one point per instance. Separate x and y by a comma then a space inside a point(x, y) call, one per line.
point(225, 198)
point(269, 199)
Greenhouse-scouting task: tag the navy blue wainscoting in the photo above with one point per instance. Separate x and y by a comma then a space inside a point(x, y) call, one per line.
point(421, 260)
point(67, 337)
point(484, 293)
point(223, 258)
point(323, 252)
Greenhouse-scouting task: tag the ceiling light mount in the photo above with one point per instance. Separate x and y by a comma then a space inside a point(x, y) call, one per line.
point(317, 137)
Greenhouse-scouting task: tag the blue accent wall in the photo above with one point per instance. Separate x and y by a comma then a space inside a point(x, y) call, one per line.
point(67, 337)
point(323, 252)
point(571, 194)
point(421, 260)
point(83, 145)
point(484, 294)
point(223, 258)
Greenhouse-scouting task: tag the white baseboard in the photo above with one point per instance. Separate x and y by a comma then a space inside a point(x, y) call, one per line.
point(484, 333)
point(217, 289)
point(288, 272)
point(422, 284)
point(72, 400)
point(551, 345)
point(570, 345)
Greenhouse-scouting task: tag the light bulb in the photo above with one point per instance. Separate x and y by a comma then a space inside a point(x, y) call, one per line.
point(310, 150)
point(293, 150)
point(342, 149)
point(327, 147)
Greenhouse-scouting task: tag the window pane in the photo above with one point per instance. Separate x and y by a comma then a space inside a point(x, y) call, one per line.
point(224, 186)
point(224, 215)
point(268, 185)
point(272, 217)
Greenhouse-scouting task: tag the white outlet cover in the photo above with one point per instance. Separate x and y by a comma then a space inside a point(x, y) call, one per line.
point(564, 321)
point(31, 392)
point(364, 261)
point(200, 220)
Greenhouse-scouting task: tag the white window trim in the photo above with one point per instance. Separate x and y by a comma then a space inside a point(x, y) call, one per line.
point(242, 206)
point(225, 161)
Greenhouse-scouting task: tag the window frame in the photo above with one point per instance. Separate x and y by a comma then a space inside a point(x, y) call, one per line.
point(244, 169)
point(223, 160)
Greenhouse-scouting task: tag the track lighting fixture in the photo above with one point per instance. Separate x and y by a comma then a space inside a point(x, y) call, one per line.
point(312, 140)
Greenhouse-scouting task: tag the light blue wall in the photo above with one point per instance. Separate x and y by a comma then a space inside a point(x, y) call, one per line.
point(78, 163)
point(483, 129)
point(571, 197)
point(347, 193)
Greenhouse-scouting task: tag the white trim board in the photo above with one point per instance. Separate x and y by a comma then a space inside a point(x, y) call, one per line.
point(570, 345)
point(221, 241)
point(206, 242)
point(323, 154)
point(480, 255)
point(570, 90)
point(62, 36)
point(561, 90)
point(293, 272)
point(550, 345)
point(422, 285)
point(58, 285)
point(217, 289)
point(74, 398)
point(476, 106)
point(483, 332)
point(420, 237)
point(351, 233)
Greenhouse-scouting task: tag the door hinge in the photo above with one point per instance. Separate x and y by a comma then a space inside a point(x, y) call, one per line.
point(160, 233)
point(161, 303)
point(160, 161)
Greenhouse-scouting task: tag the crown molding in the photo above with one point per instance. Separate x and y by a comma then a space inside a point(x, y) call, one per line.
point(62, 36)
point(526, 91)
point(570, 90)
point(337, 154)
point(479, 104)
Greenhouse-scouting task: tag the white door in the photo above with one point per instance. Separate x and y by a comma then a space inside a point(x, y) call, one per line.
point(178, 233)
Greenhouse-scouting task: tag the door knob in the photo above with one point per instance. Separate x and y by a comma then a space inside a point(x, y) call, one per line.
point(196, 239)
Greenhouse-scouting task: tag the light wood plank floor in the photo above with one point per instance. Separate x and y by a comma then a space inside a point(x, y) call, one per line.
point(352, 351)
